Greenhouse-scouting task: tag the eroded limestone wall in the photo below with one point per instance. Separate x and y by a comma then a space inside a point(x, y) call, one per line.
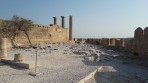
point(42, 34)
point(145, 41)
point(138, 40)
point(138, 44)
point(141, 41)
point(112, 42)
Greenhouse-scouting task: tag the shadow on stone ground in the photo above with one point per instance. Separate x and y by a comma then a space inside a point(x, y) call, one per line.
point(127, 70)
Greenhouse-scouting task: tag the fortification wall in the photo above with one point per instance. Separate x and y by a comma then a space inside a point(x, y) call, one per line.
point(42, 34)
point(145, 41)
point(138, 44)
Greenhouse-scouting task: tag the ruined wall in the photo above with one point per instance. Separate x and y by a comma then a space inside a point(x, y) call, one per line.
point(93, 41)
point(138, 40)
point(145, 41)
point(105, 41)
point(138, 44)
point(129, 44)
point(112, 42)
point(80, 40)
point(141, 42)
point(42, 34)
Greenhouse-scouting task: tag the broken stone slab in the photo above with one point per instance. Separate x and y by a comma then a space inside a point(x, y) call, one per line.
point(94, 75)
point(23, 64)
point(92, 51)
point(93, 57)
point(85, 53)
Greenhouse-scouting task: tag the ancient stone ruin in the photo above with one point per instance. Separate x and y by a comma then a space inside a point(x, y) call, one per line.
point(38, 35)
point(3, 48)
point(44, 34)
point(138, 44)
point(62, 59)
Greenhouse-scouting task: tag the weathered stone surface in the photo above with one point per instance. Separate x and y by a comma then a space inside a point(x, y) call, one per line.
point(105, 41)
point(112, 42)
point(54, 20)
point(117, 42)
point(70, 28)
point(145, 42)
point(18, 57)
point(24, 64)
point(80, 40)
point(3, 47)
point(63, 21)
point(122, 42)
point(138, 34)
point(129, 44)
point(39, 35)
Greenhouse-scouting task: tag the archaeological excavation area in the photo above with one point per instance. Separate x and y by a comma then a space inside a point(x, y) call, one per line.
point(63, 63)
point(50, 54)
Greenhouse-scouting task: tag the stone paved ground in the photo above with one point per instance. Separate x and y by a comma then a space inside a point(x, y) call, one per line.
point(62, 63)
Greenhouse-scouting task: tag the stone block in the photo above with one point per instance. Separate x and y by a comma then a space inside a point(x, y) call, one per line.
point(23, 64)
point(18, 57)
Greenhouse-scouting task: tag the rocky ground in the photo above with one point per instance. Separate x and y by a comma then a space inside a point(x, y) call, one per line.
point(63, 63)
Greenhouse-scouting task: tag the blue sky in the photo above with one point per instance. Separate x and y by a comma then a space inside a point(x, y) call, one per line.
point(92, 18)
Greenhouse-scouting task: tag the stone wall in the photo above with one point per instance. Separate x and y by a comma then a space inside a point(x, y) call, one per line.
point(138, 44)
point(105, 41)
point(42, 34)
point(39, 34)
point(145, 41)
point(112, 42)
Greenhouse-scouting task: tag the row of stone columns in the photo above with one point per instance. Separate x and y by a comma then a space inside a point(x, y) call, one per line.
point(63, 21)
point(63, 25)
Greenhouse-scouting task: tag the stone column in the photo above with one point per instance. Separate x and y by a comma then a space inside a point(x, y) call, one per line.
point(55, 20)
point(3, 48)
point(63, 21)
point(70, 28)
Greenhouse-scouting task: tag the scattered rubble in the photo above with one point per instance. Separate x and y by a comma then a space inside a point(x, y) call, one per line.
point(64, 65)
